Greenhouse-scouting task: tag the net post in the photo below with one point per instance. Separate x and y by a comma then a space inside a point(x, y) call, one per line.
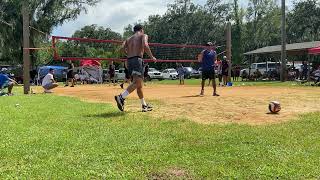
point(26, 45)
point(55, 53)
point(229, 44)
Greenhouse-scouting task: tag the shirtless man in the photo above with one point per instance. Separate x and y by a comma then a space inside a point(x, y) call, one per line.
point(134, 47)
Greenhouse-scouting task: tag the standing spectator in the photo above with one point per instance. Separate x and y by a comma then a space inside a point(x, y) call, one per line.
point(33, 74)
point(112, 72)
point(48, 82)
point(145, 73)
point(181, 74)
point(225, 70)
point(237, 72)
point(70, 74)
point(219, 70)
point(304, 68)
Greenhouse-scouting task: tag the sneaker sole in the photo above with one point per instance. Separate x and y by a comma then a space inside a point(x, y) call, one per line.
point(148, 110)
point(120, 107)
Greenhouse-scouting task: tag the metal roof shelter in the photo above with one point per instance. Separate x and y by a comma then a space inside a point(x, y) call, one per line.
point(292, 49)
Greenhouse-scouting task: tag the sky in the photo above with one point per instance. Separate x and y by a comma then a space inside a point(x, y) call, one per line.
point(116, 14)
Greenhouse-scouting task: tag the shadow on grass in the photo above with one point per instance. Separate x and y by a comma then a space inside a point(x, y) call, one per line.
point(106, 115)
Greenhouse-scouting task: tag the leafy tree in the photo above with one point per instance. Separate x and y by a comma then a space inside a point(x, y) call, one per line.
point(92, 49)
point(44, 16)
point(304, 21)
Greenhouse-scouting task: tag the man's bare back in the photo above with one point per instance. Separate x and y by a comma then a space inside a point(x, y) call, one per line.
point(135, 45)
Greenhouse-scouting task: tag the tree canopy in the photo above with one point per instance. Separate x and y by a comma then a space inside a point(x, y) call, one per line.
point(254, 26)
point(44, 16)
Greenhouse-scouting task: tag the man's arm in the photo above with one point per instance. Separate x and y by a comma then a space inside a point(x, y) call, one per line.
point(200, 56)
point(147, 47)
point(124, 47)
point(12, 80)
point(52, 79)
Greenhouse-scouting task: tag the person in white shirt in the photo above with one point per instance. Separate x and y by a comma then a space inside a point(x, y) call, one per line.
point(48, 82)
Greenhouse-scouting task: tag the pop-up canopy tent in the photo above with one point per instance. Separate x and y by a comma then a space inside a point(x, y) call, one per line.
point(91, 70)
point(314, 51)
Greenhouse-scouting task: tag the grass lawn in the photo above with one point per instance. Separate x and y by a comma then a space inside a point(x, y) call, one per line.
point(45, 136)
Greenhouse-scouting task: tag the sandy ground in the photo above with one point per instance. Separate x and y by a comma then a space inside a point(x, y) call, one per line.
point(243, 105)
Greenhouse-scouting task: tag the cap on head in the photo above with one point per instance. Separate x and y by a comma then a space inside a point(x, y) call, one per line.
point(137, 28)
point(210, 44)
point(50, 69)
point(4, 70)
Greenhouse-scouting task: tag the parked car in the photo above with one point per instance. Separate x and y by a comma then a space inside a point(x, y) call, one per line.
point(263, 67)
point(120, 75)
point(155, 74)
point(170, 74)
point(191, 73)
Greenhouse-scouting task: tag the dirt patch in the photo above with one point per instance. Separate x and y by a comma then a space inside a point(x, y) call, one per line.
point(173, 173)
point(243, 105)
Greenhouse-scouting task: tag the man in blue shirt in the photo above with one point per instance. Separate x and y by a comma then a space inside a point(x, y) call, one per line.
point(6, 82)
point(207, 58)
point(181, 72)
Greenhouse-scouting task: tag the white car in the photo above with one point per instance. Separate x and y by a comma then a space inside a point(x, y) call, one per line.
point(263, 67)
point(155, 74)
point(170, 74)
point(120, 75)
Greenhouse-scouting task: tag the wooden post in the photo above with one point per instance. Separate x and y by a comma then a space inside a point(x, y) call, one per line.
point(26, 45)
point(229, 58)
point(284, 42)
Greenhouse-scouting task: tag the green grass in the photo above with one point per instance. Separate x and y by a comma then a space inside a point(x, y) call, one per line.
point(44, 136)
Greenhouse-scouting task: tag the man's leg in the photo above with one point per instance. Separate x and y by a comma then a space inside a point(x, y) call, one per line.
point(52, 86)
point(139, 85)
point(72, 82)
point(203, 82)
point(121, 98)
point(214, 85)
point(10, 87)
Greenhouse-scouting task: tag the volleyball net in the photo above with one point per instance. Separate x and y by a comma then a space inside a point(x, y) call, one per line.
point(78, 49)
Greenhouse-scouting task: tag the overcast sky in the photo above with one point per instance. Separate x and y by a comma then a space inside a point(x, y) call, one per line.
point(116, 14)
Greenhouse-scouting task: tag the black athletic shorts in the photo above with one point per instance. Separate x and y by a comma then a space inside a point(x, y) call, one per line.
point(135, 66)
point(208, 74)
point(70, 75)
point(126, 72)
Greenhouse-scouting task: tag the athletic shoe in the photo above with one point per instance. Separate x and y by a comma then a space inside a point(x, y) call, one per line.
point(146, 108)
point(215, 94)
point(121, 85)
point(120, 102)
point(202, 93)
point(71, 86)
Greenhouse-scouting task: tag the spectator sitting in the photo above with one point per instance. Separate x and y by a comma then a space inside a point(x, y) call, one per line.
point(48, 82)
point(244, 75)
point(316, 76)
point(6, 82)
point(257, 74)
